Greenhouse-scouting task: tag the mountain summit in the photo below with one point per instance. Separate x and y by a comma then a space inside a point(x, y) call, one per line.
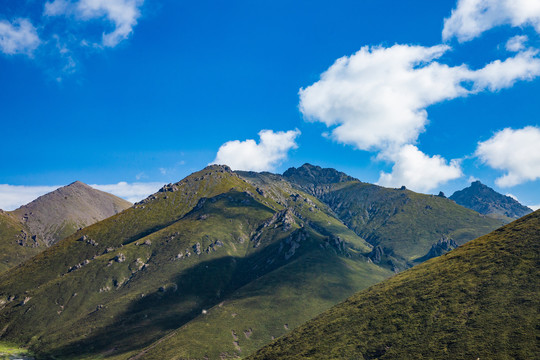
point(487, 201)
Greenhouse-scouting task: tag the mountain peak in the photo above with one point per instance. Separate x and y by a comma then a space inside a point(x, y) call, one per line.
point(61, 212)
point(316, 175)
point(487, 201)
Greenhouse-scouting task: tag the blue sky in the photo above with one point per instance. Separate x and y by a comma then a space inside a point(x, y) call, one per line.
point(131, 94)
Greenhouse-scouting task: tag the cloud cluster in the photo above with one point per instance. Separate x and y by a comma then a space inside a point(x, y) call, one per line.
point(123, 14)
point(473, 17)
point(18, 37)
point(516, 152)
point(376, 100)
point(263, 156)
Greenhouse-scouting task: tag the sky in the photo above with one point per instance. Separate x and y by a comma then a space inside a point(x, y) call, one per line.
point(127, 95)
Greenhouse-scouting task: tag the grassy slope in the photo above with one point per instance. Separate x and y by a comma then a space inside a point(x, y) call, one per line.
point(60, 299)
point(11, 252)
point(478, 301)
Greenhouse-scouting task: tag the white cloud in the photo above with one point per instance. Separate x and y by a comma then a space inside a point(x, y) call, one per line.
point(132, 192)
point(472, 17)
point(516, 43)
point(418, 171)
point(264, 156)
point(18, 37)
point(516, 152)
point(377, 98)
point(534, 207)
point(13, 196)
point(122, 13)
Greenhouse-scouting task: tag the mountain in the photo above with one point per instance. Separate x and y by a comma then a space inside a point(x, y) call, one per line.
point(480, 301)
point(61, 212)
point(401, 223)
point(31, 228)
point(487, 201)
point(217, 265)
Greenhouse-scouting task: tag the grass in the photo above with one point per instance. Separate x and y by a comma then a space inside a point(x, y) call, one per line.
point(478, 301)
point(10, 352)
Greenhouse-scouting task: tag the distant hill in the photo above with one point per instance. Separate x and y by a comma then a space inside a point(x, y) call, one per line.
point(487, 201)
point(480, 301)
point(61, 212)
point(33, 227)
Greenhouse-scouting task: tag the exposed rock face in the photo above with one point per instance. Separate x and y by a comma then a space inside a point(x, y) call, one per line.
point(441, 247)
point(377, 254)
point(60, 213)
point(487, 201)
point(316, 179)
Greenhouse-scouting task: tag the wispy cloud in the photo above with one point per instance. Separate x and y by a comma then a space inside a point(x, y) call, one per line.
point(14, 196)
point(272, 148)
point(473, 17)
point(132, 192)
point(18, 37)
point(123, 14)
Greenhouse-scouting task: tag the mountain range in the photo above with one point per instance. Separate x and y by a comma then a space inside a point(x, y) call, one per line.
point(33, 227)
point(221, 263)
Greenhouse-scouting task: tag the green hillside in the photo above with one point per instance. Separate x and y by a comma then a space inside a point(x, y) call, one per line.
point(16, 242)
point(479, 301)
point(404, 224)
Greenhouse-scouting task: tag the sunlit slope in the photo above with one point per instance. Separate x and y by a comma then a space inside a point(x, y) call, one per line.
point(16, 242)
point(478, 301)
